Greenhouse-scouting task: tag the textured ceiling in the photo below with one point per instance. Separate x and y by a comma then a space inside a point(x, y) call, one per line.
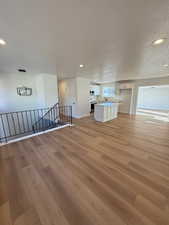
point(112, 38)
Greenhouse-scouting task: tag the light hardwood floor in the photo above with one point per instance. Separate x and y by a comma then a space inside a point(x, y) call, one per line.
point(114, 173)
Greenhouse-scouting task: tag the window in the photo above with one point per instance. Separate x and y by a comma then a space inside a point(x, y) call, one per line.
point(108, 91)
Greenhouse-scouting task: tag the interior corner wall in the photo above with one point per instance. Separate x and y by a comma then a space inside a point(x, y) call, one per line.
point(83, 90)
point(40, 91)
point(67, 93)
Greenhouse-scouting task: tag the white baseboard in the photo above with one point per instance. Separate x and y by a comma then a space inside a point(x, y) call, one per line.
point(37, 134)
point(81, 116)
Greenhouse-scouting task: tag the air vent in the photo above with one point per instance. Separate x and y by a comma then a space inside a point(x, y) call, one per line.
point(22, 70)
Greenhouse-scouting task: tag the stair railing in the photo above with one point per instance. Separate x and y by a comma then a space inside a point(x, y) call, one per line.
point(47, 119)
point(22, 123)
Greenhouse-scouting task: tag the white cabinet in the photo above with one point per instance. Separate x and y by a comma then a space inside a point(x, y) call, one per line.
point(106, 111)
point(126, 85)
point(95, 89)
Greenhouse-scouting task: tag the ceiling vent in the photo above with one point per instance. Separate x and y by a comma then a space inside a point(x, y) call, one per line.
point(22, 70)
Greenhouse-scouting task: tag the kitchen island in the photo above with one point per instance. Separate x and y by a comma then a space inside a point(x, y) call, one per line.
point(106, 111)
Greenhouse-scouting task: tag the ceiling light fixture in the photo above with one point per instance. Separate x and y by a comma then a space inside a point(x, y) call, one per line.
point(81, 65)
point(158, 41)
point(2, 42)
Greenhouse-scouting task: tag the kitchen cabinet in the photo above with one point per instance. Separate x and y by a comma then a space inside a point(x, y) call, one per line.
point(95, 90)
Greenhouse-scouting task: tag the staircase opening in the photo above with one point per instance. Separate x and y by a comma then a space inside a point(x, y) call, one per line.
point(23, 123)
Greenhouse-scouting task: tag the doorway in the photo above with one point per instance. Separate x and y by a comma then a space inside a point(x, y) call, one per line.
point(125, 96)
point(153, 101)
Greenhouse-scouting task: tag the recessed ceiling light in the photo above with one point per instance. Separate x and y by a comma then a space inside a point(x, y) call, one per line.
point(165, 65)
point(2, 42)
point(158, 41)
point(81, 65)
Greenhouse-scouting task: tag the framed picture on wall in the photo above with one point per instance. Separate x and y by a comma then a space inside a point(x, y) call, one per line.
point(24, 91)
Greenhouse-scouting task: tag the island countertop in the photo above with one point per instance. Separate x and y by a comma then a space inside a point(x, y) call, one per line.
point(106, 111)
point(107, 103)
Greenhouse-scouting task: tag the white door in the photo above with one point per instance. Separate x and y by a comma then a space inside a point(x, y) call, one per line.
point(125, 104)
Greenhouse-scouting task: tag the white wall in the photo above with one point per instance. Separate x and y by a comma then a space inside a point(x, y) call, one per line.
point(75, 92)
point(47, 90)
point(153, 98)
point(9, 100)
point(44, 91)
point(83, 92)
point(67, 93)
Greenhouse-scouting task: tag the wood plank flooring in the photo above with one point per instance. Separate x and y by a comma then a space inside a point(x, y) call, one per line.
point(114, 173)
